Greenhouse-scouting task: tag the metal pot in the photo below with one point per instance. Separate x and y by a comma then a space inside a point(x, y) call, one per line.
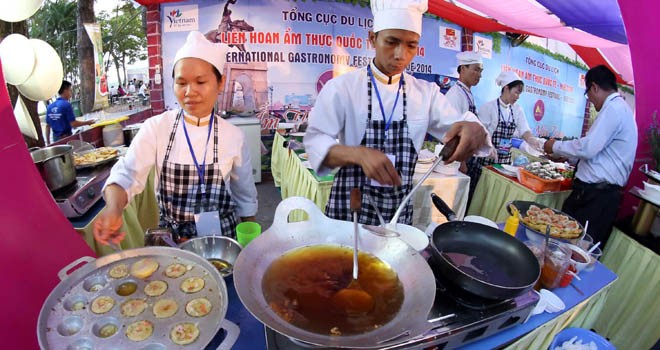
point(413, 271)
point(55, 165)
point(130, 132)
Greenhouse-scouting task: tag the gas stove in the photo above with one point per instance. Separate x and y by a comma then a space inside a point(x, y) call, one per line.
point(76, 199)
point(473, 318)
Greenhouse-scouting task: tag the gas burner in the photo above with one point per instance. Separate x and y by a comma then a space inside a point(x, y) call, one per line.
point(461, 297)
point(76, 199)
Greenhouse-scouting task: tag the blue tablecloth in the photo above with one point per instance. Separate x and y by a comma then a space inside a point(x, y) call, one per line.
point(252, 336)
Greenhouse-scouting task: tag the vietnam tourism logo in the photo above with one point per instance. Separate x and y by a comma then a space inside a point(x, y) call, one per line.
point(539, 110)
point(181, 18)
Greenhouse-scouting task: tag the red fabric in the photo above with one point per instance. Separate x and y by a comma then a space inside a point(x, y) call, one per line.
point(37, 240)
point(592, 57)
point(467, 19)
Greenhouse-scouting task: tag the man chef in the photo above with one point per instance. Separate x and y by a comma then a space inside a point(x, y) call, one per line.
point(380, 116)
point(470, 66)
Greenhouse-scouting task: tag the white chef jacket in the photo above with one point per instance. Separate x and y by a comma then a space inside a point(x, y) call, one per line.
point(489, 116)
point(150, 144)
point(341, 109)
point(458, 99)
point(608, 150)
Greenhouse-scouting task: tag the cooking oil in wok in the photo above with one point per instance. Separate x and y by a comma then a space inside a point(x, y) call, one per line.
point(299, 287)
point(222, 266)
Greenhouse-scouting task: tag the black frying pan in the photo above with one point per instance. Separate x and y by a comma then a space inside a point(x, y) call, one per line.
point(480, 259)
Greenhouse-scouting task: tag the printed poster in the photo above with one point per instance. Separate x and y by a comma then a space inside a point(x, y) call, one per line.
point(100, 80)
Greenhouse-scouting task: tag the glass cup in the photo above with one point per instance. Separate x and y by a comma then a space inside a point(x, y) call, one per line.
point(595, 255)
point(555, 264)
point(154, 236)
point(247, 231)
point(586, 242)
point(537, 250)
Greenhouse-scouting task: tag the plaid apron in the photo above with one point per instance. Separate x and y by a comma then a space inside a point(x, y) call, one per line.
point(504, 130)
point(180, 196)
point(393, 140)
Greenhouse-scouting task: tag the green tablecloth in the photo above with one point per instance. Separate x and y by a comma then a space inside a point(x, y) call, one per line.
point(295, 180)
point(495, 190)
point(631, 316)
point(140, 214)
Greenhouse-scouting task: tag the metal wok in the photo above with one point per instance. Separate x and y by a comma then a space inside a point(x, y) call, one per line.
point(413, 271)
point(498, 265)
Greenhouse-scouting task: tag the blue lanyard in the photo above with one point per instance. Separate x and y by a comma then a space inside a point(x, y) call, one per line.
point(501, 115)
point(467, 95)
point(388, 122)
point(200, 169)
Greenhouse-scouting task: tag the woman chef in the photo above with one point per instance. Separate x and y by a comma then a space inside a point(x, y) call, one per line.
point(504, 120)
point(203, 169)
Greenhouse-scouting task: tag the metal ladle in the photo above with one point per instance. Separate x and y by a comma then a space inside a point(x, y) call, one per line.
point(389, 230)
point(353, 300)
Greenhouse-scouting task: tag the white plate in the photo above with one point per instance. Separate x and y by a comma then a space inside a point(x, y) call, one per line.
point(303, 156)
point(307, 164)
point(413, 236)
point(297, 134)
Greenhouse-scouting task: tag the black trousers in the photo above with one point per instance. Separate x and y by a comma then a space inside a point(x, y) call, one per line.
point(598, 203)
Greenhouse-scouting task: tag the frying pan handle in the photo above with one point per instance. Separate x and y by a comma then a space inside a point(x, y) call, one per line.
point(443, 207)
point(64, 272)
point(232, 331)
point(293, 203)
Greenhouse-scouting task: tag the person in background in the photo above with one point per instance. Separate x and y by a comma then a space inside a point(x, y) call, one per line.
point(131, 88)
point(120, 91)
point(60, 117)
point(470, 67)
point(605, 156)
point(142, 91)
point(202, 163)
point(504, 120)
point(113, 93)
point(380, 116)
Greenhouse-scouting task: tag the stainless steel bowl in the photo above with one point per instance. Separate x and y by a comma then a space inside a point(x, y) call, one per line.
point(217, 249)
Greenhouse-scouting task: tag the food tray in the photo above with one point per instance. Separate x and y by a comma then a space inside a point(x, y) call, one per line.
point(538, 184)
point(533, 234)
point(61, 328)
point(97, 163)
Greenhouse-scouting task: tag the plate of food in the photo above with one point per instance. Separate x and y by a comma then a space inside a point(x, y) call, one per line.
point(536, 217)
point(95, 157)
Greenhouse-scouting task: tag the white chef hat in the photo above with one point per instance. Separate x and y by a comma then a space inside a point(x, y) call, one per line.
point(198, 46)
point(505, 78)
point(398, 14)
point(468, 57)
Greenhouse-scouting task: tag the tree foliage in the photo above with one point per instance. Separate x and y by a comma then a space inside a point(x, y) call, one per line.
point(55, 23)
point(124, 38)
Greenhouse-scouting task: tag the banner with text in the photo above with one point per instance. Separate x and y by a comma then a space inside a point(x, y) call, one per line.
point(282, 52)
point(100, 80)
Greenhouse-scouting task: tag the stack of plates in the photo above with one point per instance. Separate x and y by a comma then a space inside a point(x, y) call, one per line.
point(424, 161)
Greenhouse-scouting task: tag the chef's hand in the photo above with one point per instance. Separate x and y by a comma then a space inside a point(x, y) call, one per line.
point(537, 143)
point(107, 225)
point(547, 146)
point(472, 137)
point(377, 166)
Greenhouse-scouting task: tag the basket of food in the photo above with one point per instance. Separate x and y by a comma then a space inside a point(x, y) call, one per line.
point(541, 177)
point(535, 217)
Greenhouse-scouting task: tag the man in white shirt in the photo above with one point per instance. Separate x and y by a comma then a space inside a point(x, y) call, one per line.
point(470, 67)
point(380, 116)
point(605, 156)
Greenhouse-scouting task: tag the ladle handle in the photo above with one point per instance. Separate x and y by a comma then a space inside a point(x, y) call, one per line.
point(356, 204)
point(443, 207)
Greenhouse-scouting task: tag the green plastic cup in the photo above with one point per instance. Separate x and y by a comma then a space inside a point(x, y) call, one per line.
point(247, 231)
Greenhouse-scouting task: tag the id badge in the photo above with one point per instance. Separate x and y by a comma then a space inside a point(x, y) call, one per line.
point(392, 158)
point(504, 146)
point(208, 224)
